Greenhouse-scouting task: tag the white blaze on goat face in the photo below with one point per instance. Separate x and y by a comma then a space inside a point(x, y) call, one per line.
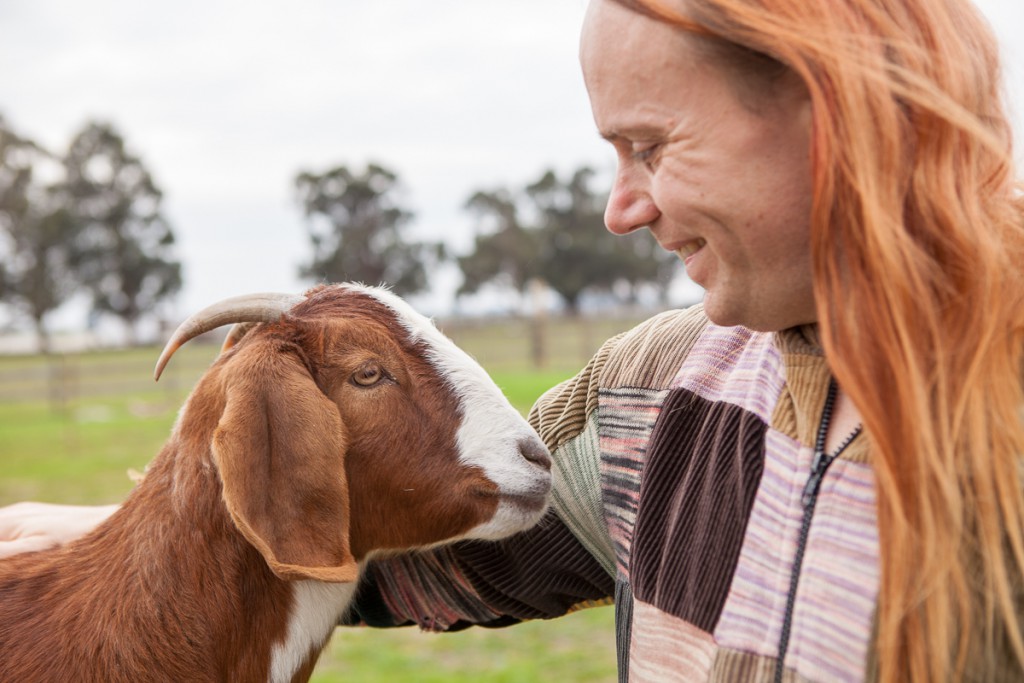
point(492, 436)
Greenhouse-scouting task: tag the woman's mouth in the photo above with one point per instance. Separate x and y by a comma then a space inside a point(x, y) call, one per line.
point(691, 248)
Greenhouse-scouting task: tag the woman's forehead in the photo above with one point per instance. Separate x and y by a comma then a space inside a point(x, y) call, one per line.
point(635, 65)
point(632, 44)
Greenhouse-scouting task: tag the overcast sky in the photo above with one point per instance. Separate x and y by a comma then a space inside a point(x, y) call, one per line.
point(225, 101)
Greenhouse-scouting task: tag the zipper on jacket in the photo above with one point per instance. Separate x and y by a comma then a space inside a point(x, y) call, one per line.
point(808, 500)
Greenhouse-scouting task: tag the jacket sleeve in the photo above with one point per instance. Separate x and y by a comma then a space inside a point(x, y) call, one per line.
point(563, 563)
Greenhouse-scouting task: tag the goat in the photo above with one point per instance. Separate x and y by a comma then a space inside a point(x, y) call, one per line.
point(345, 425)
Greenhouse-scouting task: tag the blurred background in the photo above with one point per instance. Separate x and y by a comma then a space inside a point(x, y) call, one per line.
point(157, 157)
point(233, 142)
point(222, 146)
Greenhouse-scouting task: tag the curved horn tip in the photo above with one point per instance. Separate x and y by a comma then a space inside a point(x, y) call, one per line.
point(248, 308)
point(165, 356)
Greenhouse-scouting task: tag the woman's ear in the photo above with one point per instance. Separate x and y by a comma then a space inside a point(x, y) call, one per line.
point(280, 448)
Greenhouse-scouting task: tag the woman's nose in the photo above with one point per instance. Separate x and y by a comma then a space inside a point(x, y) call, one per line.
point(630, 206)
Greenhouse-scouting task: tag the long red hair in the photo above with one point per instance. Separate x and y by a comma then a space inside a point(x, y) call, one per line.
point(918, 267)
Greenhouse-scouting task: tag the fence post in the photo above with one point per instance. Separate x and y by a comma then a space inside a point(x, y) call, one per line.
point(538, 324)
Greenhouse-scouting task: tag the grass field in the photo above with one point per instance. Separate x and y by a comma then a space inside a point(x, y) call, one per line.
point(71, 429)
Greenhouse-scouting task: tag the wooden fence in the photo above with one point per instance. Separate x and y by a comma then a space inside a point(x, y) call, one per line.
point(500, 345)
point(62, 379)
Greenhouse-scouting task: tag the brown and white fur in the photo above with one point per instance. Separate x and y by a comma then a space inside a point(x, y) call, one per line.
point(350, 427)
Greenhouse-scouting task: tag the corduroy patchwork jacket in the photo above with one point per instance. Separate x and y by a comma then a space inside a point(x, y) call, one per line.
point(682, 455)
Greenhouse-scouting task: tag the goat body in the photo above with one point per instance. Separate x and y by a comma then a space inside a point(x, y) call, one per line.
point(348, 427)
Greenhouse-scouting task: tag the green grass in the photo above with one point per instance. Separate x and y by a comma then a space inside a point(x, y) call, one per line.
point(578, 647)
point(80, 457)
point(523, 388)
point(86, 420)
point(79, 426)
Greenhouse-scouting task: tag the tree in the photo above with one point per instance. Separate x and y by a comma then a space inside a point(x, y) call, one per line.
point(577, 253)
point(583, 255)
point(504, 249)
point(356, 226)
point(564, 243)
point(38, 235)
point(126, 245)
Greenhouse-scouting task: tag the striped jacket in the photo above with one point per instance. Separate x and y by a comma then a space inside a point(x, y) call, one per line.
point(681, 453)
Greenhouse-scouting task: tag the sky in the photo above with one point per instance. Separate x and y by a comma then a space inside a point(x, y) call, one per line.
point(226, 101)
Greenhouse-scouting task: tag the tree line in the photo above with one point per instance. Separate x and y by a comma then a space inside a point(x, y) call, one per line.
point(90, 221)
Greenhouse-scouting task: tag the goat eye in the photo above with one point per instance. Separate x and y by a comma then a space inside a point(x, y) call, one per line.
point(368, 375)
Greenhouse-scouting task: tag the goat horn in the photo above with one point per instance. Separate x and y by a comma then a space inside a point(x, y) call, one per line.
point(235, 334)
point(248, 308)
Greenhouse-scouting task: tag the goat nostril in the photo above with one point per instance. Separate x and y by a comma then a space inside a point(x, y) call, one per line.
point(534, 451)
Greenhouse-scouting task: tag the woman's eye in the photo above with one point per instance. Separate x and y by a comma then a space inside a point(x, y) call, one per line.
point(368, 375)
point(645, 153)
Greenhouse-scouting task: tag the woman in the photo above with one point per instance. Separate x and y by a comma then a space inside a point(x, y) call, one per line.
point(814, 475)
point(914, 254)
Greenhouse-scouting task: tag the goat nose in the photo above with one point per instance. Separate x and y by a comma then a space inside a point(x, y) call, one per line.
point(536, 452)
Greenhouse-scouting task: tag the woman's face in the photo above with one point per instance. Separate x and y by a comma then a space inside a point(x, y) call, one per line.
point(727, 187)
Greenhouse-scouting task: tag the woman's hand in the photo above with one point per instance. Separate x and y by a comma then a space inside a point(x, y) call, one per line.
point(26, 527)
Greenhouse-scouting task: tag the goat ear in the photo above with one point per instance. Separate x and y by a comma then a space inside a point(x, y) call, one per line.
point(280, 448)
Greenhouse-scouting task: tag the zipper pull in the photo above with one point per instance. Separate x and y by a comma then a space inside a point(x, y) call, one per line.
point(818, 466)
point(811, 489)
